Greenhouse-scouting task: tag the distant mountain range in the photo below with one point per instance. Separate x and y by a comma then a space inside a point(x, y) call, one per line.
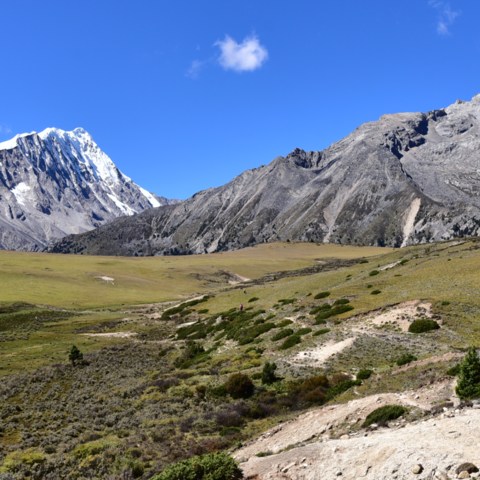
point(56, 183)
point(404, 179)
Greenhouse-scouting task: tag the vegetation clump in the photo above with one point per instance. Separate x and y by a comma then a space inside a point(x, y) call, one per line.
point(268, 373)
point(290, 342)
point(468, 385)
point(212, 466)
point(382, 415)
point(321, 295)
point(75, 356)
point(405, 359)
point(364, 374)
point(239, 385)
point(285, 332)
point(423, 325)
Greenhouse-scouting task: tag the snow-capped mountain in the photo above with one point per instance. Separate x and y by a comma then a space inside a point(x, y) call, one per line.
point(55, 183)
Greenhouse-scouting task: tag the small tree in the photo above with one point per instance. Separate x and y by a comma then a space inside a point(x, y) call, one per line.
point(75, 355)
point(468, 385)
point(268, 373)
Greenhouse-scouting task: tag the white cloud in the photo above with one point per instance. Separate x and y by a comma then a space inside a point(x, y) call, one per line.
point(446, 16)
point(195, 68)
point(241, 57)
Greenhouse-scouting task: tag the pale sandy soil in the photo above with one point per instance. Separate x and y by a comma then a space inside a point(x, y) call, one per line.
point(111, 334)
point(317, 356)
point(303, 449)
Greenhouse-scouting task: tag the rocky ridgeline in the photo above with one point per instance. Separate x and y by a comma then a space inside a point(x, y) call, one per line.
point(56, 183)
point(404, 179)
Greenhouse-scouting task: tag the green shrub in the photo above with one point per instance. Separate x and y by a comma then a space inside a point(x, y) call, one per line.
point(268, 373)
point(239, 385)
point(287, 301)
point(321, 295)
point(291, 341)
point(321, 331)
point(364, 374)
point(383, 415)
point(253, 299)
point(363, 260)
point(303, 331)
point(75, 356)
point(373, 273)
point(341, 387)
point(375, 292)
point(341, 301)
point(286, 332)
point(212, 466)
point(423, 325)
point(332, 312)
point(405, 358)
point(284, 323)
point(468, 385)
point(454, 371)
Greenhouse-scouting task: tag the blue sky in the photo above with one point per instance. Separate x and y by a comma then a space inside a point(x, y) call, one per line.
point(184, 95)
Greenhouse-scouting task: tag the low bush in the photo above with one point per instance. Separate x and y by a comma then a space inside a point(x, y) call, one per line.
point(287, 301)
point(382, 415)
point(375, 292)
point(212, 466)
point(239, 385)
point(268, 373)
point(341, 301)
point(423, 325)
point(253, 299)
point(405, 358)
point(286, 332)
point(291, 341)
point(321, 331)
point(321, 295)
point(373, 273)
point(364, 374)
point(303, 331)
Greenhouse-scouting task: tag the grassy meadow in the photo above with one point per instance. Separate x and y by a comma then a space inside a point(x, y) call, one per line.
point(162, 341)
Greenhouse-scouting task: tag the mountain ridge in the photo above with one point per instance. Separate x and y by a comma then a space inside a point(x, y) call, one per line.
point(57, 182)
point(406, 178)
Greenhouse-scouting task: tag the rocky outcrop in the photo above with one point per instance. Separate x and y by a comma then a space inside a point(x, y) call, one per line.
point(404, 179)
point(56, 183)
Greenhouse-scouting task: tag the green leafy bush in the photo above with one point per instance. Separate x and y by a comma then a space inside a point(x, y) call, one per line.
point(253, 299)
point(303, 331)
point(321, 295)
point(364, 374)
point(468, 385)
point(239, 385)
point(383, 415)
point(341, 301)
point(373, 273)
point(321, 331)
point(268, 373)
point(405, 358)
point(375, 292)
point(287, 301)
point(286, 332)
point(423, 325)
point(213, 466)
point(291, 341)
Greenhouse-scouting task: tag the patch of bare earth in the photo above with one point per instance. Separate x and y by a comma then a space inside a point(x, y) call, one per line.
point(327, 443)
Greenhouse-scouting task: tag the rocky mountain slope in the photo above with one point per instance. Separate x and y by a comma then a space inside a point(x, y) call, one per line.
point(404, 179)
point(55, 183)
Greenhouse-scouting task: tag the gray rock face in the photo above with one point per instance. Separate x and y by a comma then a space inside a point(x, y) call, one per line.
point(57, 183)
point(404, 179)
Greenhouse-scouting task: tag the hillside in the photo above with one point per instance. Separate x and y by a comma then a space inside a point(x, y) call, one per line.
point(55, 183)
point(405, 179)
point(155, 385)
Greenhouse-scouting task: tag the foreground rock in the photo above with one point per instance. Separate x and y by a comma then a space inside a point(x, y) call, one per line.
point(440, 447)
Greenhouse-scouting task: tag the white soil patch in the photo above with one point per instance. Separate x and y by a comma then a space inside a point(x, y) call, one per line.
point(401, 315)
point(303, 449)
point(389, 266)
point(317, 356)
point(236, 279)
point(106, 279)
point(111, 334)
